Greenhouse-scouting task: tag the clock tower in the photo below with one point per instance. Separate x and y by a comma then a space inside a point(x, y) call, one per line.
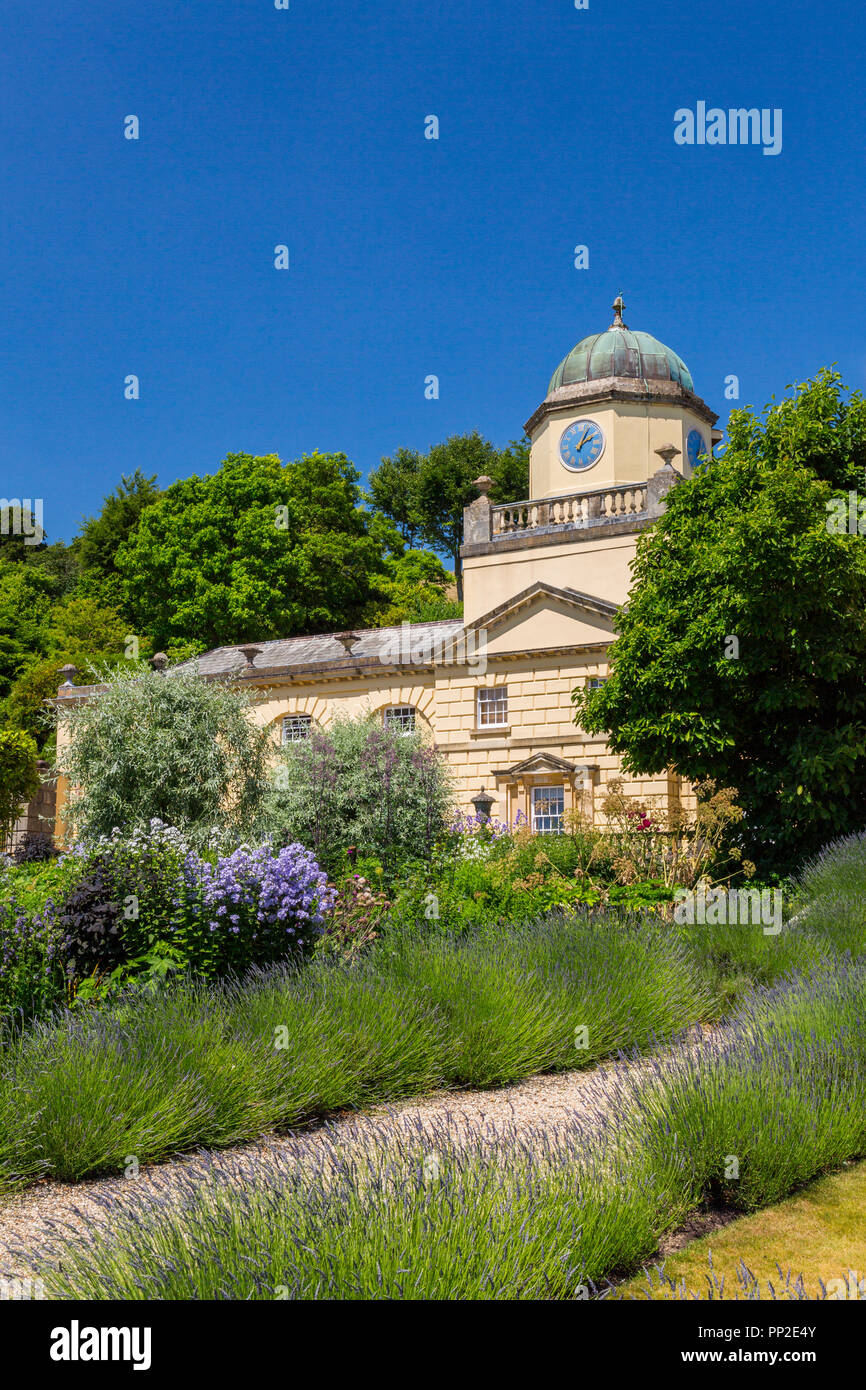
point(621, 423)
point(613, 402)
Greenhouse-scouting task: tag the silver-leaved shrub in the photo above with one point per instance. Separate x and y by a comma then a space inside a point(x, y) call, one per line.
point(174, 748)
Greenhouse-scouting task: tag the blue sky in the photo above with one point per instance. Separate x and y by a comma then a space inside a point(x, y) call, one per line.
point(409, 257)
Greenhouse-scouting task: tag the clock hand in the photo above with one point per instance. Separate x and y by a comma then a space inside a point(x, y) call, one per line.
point(583, 439)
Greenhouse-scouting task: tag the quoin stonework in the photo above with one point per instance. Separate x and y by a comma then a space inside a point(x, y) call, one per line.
point(620, 425)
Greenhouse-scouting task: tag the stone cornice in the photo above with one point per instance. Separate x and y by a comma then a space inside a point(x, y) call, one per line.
point(304, 676)
point(619, 388)
point(548, 741)
point(568, 534)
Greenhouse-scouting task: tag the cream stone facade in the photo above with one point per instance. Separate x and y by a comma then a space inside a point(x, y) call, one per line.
point(543, 578)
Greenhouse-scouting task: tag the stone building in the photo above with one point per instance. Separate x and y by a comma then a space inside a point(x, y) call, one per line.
point(620, 425)
point(37, 816)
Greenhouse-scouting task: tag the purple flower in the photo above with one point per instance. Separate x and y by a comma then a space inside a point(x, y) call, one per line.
point(264, 896)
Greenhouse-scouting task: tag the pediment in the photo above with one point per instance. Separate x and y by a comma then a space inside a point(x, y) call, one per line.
point(541, 763)
point(544, 616)
point(547, 765)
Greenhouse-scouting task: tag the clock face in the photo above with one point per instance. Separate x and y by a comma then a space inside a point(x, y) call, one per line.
point(581, 445)
point(696, 446)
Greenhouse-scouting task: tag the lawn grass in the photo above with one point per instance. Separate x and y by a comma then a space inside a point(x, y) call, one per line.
point(818, 1235)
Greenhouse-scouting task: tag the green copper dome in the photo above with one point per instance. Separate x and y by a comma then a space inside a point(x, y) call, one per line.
point(621, 352)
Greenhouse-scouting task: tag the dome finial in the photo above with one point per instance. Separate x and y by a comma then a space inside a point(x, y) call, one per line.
point(618, 311)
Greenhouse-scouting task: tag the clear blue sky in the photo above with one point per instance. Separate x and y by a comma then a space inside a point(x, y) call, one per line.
point(408, 256)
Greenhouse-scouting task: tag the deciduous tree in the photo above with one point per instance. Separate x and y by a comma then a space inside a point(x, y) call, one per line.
point(257, 550)
point(741, 653)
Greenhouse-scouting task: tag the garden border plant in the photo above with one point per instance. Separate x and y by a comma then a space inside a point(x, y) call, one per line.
point(503, 1213)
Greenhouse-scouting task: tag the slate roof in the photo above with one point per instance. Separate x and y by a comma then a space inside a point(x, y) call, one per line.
point(377, 646)
point(411, 645)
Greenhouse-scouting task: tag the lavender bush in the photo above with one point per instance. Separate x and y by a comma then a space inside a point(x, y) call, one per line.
point(481, 1210)
point(32, 977)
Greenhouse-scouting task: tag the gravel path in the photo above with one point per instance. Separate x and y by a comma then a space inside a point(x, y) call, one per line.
point(29, 1219)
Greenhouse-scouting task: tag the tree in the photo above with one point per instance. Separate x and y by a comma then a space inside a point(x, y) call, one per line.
point(444, 487)
point(101, 536)
point(511, 481)
point(26, 599)
point(740, 655)
point(414, 589)
point(174, 747)
point(392, 489)
point(82, 626)
point(26, 707)
point(258, 550)
point(77, 631)
point(424, 495)
point(59, 563)
point(18, 777)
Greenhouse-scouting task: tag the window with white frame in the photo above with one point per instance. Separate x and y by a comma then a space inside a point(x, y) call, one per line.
point(595, 682)
point(548, 809)
point(296, 728)
point(492, 707)
point(401, 718)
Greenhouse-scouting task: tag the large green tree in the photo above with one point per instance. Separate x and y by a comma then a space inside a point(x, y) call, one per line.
point(257, 550)
point(101, 536)
point(392, 489)
point(59, 562)
point(741, 652)
point(26, 599)
point(19, 778)
point(425, 494)
point(415, 590)
point(39, 635)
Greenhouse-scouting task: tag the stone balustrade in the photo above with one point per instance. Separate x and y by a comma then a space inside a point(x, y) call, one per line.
point(578, 509)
